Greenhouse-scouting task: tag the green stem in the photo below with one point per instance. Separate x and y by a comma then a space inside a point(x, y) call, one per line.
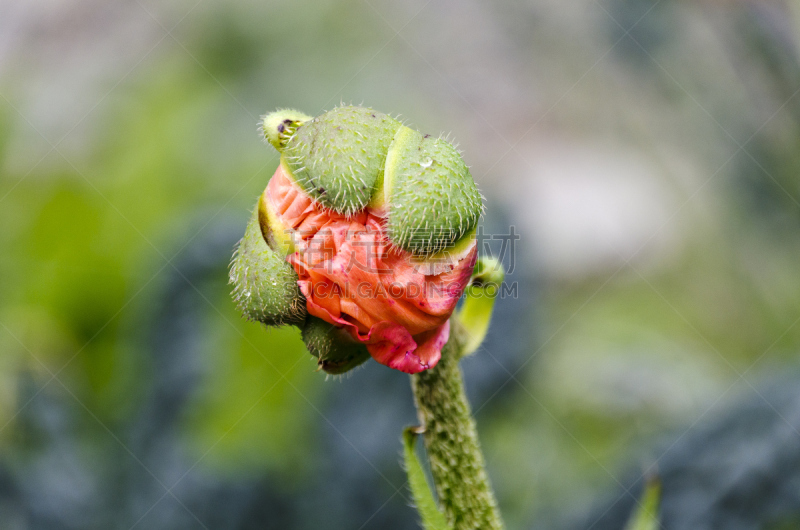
point(452, 444)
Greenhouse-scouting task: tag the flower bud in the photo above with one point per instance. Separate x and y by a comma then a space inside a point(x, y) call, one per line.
point(377, 220)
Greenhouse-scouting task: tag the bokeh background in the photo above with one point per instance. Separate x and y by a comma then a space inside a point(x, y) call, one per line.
point(647, 152)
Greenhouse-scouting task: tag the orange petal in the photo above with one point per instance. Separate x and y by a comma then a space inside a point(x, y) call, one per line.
point(352, 277)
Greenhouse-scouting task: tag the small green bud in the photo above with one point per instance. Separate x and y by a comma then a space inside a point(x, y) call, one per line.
point(280, 125)
point(335, 349)
point(264, 284)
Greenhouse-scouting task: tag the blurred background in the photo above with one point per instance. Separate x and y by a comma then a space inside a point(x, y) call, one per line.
point(647, 152)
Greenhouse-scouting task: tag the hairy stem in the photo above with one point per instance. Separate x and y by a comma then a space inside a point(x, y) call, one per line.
point(452, 444)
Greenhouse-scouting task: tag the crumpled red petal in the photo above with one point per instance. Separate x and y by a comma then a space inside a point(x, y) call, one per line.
point(354, 278)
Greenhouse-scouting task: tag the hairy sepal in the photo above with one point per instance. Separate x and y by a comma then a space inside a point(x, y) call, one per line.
point(338, 157)
point(431, 197)
point(264, 284)
point(336, 351)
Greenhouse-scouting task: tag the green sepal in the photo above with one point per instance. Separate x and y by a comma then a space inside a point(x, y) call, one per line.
point(479, 295)
point(336, 351)
point(432, 517)
point(338, 157)
point(433, 201)
point(264, 284)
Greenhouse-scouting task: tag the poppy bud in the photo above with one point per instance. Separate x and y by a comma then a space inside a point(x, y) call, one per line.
point(377, 221)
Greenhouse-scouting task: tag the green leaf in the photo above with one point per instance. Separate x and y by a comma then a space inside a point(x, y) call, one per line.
point(646, 516)
point(432, 518)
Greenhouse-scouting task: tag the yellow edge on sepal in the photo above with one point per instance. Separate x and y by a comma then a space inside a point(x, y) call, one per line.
point(286, 169)
point(278, 237)
point(446, 259)
point(383, 185)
